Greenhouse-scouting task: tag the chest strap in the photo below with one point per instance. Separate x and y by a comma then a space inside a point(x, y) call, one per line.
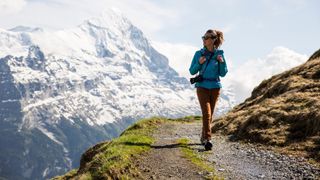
point(212, 79)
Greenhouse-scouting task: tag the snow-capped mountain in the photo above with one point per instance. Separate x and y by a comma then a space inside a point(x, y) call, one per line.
point(63, 91)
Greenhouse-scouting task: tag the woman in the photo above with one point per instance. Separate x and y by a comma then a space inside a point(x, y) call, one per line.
point(210, 63)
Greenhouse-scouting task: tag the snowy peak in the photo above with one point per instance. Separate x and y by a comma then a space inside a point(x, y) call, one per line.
point(106, 36)
point(112, 27)
point(107, 63)
point(111, 19)
point(113, 34)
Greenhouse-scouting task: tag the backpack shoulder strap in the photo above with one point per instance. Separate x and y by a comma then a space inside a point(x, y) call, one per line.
point(207, 63)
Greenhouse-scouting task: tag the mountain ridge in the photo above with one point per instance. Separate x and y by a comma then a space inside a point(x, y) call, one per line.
point(67, 90)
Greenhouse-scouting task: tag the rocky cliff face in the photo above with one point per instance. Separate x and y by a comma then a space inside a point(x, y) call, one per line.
point(282, 111)
point(63, 91)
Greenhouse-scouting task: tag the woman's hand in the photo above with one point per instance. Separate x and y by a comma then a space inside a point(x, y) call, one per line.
point(202, 59)
point(219, 58)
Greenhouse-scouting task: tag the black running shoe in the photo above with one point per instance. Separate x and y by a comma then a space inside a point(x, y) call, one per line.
point(208, 146)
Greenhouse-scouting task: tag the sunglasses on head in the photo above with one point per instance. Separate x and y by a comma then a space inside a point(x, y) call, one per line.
point(207, 37)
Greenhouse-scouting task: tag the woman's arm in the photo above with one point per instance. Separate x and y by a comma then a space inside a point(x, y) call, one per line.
point(222, 64)
point(195, 65)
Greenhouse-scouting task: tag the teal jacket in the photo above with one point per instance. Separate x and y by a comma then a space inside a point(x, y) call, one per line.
point(212, 71)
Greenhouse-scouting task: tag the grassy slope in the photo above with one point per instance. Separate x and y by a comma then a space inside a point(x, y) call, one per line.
point(113, 159)
point(282, 112)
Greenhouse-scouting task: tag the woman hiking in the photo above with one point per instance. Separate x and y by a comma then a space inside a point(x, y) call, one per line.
point(211, 65)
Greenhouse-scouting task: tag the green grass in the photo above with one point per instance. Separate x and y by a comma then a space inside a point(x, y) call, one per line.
point(135, 140)
point(195, 159)
point(112, 160)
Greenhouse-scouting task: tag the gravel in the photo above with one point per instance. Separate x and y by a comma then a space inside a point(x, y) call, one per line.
point(231, 160)
point(234, 160)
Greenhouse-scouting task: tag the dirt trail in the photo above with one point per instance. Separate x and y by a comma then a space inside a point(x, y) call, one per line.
point(231, 160)
point(165, 160)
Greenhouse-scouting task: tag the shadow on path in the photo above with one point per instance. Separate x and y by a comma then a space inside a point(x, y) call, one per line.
point(166, 146)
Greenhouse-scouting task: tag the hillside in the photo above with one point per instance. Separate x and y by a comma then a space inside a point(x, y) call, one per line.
point(160, 148)
point(282, 112)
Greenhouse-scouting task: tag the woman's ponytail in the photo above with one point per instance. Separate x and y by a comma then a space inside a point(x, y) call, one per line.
point(217, 43)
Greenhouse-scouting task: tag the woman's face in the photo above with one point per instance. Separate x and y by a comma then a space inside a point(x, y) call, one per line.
point(207, 40)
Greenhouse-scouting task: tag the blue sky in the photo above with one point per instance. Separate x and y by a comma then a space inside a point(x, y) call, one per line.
point(253, 28)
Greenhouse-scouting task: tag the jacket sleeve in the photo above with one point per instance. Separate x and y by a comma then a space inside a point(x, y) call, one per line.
point(195, 65)
point(223, 65)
